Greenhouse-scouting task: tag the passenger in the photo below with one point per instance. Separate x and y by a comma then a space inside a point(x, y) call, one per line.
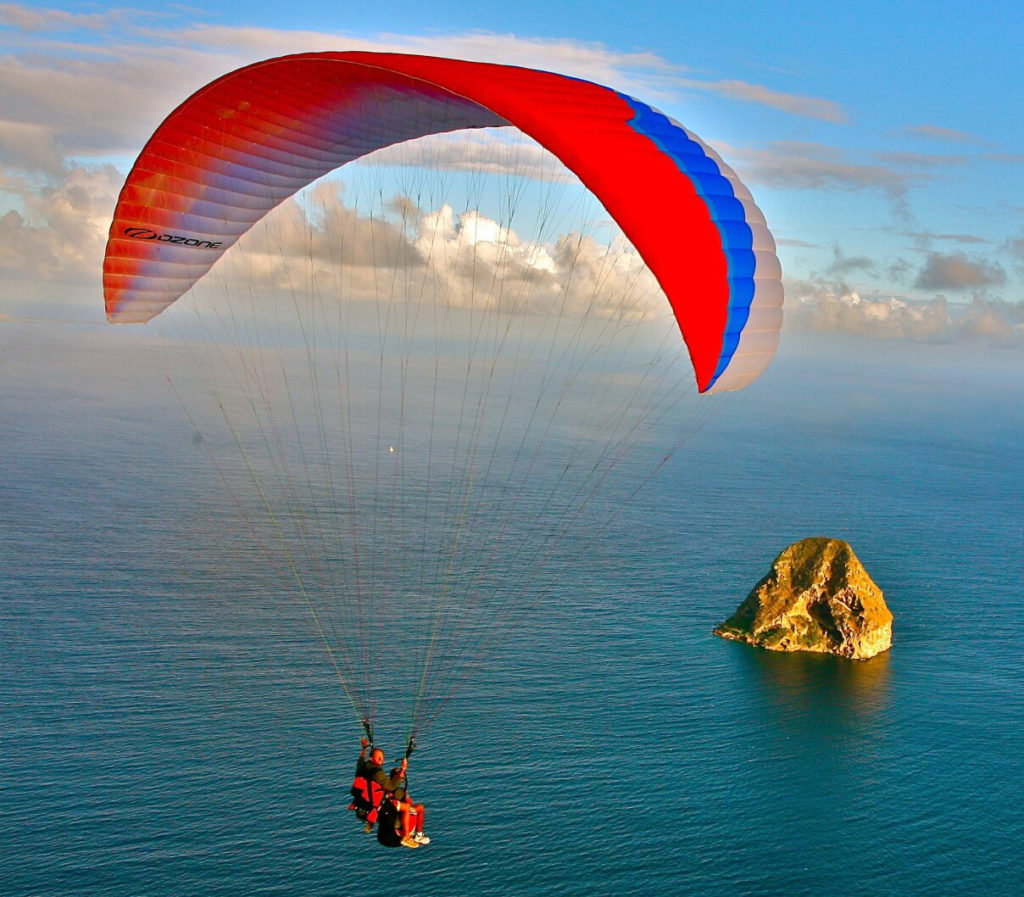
point(411, 815)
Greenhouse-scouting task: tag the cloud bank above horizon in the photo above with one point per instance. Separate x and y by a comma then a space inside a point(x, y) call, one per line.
point(82, 92)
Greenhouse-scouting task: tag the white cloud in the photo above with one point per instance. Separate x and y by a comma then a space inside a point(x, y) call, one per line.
point(318, 245)
point(921, 161)
point(807, 107)
point(99, 102)
point(926, 237)
point(825, 307)
point(991, 323)
point(813, 166)
point(641, 71)
point(60, 232)
point(66, 101)
point(30, 147)
point(473, 260)
point(104, 95)
point(29, 18)
point(958, 272)
point(491, 151)
point(834, 308)
point(936, 132)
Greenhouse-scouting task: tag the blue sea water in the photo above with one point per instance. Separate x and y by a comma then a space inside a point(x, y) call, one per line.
point(169, 727)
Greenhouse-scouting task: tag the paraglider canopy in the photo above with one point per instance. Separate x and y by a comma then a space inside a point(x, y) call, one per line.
point(251, 139)
point(449, 460)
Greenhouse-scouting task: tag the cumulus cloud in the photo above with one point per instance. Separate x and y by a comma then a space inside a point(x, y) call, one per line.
point(317, 242)
point(991, 323)
point(30, 147)
point(319, 245)
point(59, 232)
point(957, 272)
point(66, 99)
point(474, 260)
point(833, 307)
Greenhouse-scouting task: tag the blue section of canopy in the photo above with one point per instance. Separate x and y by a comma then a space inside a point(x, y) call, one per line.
point(726, 211)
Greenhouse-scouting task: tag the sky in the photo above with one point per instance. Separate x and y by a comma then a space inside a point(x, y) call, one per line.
point(886, 149)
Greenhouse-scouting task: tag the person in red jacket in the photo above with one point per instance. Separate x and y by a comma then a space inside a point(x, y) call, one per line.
point(371, 784)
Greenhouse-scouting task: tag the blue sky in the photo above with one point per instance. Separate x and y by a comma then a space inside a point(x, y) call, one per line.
point(883, 143)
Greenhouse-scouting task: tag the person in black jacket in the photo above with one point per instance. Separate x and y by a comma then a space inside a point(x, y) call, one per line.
point(371, 785)
point(376, 789)
point(373, 769)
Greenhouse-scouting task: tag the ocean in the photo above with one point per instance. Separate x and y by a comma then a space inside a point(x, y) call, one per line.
point(170, 726)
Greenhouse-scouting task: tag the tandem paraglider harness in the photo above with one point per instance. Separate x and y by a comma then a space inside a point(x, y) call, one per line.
point(373, 805)
point(367, 796)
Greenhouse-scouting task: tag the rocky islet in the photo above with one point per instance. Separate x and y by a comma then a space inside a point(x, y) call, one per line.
point(817, 597)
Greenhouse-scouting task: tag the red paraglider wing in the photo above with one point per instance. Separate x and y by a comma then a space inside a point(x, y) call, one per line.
point(254, 137)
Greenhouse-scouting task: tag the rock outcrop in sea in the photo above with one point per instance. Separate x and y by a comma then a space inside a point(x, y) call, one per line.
point(816, 597)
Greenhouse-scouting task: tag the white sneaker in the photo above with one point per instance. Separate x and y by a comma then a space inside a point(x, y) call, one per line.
point(420, 838)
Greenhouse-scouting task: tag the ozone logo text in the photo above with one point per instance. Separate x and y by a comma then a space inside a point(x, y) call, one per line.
point(144, 233)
